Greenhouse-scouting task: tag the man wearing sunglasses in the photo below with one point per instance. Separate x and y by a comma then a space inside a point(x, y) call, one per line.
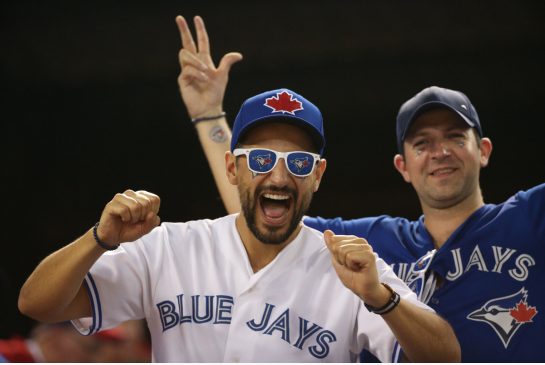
point(250, 287)
point(478, 265)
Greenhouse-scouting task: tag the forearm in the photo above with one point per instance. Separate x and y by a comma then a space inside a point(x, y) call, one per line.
point(54, 291)
point(423, 335)
point(215, 138)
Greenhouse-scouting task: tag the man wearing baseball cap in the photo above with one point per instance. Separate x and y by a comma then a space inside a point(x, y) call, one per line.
point(435, 97)
point(258, 286)
point(480, 266)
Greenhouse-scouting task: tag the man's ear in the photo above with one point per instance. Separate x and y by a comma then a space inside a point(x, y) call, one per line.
point(319, 173)
point(400, 165)
point(486, 150)
point(231, 167)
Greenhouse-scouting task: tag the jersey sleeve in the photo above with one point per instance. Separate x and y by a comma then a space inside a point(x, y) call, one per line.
point(374, 335)
point(116, 284)
point(534, 199)
point(357, 227)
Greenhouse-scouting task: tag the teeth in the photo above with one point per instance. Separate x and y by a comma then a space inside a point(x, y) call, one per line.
point(276, 196)
point(442, 171)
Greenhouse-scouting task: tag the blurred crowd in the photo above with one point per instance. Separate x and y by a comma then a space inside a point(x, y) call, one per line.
point(129, 342)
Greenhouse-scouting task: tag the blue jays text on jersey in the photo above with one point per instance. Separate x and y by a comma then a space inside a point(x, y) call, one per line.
point(195, 286)
point(492, 269)
point(217, 309)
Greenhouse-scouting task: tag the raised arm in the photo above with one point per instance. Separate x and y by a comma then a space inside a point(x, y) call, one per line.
point(423, 335)
point(54, 291)
point(202, 86)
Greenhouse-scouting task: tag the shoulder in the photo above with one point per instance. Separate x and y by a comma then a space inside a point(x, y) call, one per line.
point(358, 226)
point(171, 234)
point(537, 193)
point(396, 239)
point(528, 206)
point(524, 205)
point(196, 226)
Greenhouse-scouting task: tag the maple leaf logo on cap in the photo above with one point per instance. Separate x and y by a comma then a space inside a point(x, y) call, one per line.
point(284, 102)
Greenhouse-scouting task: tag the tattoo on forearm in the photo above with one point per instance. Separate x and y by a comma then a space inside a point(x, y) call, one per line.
point(217, 134)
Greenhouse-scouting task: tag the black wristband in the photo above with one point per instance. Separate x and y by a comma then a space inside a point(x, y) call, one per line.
point(389, 306)
point(102, 244)
point(213, 117)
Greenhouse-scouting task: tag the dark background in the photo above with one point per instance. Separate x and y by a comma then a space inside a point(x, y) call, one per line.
point(90, 104)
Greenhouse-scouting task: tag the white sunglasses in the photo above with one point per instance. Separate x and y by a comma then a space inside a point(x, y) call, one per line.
point(262, 160)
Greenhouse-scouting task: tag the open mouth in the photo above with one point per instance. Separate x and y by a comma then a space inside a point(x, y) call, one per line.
point(275, 207)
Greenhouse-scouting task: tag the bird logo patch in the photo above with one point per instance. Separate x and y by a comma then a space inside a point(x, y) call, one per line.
point(263, 160)
point(283, 102)
point(300, 163)
point(506, 314)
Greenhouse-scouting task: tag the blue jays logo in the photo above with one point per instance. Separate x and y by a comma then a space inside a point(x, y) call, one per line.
point(421, 280)
point(506, 314)
point(300, 163)
point(263, 160)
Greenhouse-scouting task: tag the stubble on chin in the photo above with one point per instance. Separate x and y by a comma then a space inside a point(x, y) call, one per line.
point(271, 235)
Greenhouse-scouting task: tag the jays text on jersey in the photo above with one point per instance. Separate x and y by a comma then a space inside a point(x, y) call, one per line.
point(492, 267)
point(203, 303)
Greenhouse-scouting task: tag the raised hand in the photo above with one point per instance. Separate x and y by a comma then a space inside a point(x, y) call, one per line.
point(128, 216)
point(202, 84)
point(355, 263)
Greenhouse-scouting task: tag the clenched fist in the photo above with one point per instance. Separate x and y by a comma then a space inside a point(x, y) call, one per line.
point(355, 263)
point(128, 216)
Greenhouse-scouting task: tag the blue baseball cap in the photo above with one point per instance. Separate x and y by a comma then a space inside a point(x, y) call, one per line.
point(431, 98)
point(279, 104)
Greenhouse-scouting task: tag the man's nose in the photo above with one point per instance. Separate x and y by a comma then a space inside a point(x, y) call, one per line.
point(280, 174)
point(441, 149)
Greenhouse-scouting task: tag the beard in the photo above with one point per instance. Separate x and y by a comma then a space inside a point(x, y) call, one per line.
point(272, 235)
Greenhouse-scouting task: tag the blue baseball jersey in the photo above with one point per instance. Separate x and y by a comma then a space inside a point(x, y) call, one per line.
point(491, 273)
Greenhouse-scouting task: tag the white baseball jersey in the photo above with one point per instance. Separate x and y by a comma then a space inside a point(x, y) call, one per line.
point(195, 286)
